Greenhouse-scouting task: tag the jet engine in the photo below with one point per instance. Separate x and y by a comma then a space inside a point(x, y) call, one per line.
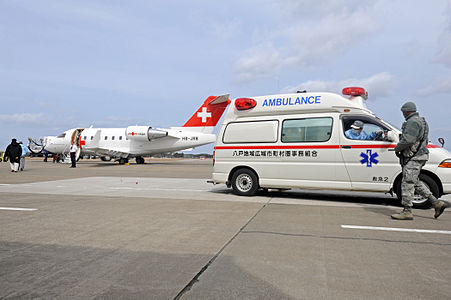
point(144, 133)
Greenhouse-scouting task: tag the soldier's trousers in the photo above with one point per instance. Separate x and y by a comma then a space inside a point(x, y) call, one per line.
point(411, 183)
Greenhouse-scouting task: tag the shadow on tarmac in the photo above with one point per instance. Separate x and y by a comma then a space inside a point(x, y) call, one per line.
point(334, 196)
point(57, 271)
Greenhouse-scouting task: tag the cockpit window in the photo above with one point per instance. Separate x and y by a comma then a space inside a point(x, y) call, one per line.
point(62, 135)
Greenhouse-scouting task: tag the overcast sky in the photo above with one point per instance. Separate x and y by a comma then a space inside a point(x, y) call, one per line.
point(66, 64)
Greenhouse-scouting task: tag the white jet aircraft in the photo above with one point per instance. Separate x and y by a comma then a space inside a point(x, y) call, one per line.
point(139, 141)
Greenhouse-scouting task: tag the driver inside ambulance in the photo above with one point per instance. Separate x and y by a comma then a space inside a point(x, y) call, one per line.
point(356, 132)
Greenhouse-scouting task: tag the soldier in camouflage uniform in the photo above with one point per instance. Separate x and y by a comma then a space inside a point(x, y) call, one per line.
point(413, 154)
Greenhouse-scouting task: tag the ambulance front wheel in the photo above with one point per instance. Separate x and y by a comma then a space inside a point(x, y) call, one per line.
point(244, 182)
point(419, 201)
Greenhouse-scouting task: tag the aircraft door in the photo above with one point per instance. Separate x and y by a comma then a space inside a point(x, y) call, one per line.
point(370, 162)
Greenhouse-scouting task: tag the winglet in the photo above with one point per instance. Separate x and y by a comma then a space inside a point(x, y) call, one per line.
point(220, 99)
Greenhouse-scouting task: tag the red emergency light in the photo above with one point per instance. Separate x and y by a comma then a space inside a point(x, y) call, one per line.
point(355, 91)
point(245, 103)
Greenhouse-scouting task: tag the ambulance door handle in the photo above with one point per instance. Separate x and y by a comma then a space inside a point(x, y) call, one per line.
point(346, 147)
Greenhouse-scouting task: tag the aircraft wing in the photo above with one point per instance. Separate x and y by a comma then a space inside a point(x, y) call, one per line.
point(94, 146)
point(109, 152)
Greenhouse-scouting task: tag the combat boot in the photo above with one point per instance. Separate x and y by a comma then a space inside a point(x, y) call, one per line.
point(439, 207)
point(406, 214)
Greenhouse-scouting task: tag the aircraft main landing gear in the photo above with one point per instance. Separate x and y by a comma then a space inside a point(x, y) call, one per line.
point(123, 161)
point(139, 160)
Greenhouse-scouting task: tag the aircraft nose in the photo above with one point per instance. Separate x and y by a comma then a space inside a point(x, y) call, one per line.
point(47, 142)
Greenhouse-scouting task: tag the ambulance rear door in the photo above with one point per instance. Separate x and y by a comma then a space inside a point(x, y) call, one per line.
point(371, 164)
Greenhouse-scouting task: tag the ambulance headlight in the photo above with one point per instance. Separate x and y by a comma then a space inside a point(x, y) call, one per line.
point(445, 164)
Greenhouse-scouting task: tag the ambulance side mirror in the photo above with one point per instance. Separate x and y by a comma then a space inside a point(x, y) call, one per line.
point(441, 141)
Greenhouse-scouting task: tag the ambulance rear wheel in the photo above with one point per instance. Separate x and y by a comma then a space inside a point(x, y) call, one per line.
point(419, 201)
point(244, 182)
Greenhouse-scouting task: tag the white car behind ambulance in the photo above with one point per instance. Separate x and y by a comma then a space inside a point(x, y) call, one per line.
point(298, 141)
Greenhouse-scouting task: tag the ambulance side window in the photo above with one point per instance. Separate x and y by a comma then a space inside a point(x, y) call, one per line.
point(370, 129)
point(307, 130)
point(251, 132)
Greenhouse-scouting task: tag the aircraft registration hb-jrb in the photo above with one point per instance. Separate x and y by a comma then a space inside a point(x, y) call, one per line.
point(139, 141)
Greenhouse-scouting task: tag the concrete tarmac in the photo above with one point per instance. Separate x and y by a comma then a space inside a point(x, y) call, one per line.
point(159, 231)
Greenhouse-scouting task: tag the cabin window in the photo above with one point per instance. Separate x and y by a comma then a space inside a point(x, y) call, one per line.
point(112, 138)
point(251, 132)
point(306, 130)
point(106, 137)
point(120, 137)
point(92, 137)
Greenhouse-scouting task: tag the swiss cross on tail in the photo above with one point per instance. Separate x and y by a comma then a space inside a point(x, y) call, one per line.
point(204, 115)
point(209, 113)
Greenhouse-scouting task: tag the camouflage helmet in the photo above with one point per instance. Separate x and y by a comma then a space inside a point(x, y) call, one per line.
point(408, 107)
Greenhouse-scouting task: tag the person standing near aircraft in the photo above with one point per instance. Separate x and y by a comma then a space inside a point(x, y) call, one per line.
point(46, 155)
point(22, 157)
point(13, 153)
point(73, 151)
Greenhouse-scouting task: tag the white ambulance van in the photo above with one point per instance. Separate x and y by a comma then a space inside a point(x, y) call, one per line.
point(298, 141)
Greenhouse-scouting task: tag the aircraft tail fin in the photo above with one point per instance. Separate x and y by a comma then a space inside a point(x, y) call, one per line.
point(208, 114)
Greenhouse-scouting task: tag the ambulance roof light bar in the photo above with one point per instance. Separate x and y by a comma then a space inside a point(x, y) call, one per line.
point(355, 91)
point(245, 103)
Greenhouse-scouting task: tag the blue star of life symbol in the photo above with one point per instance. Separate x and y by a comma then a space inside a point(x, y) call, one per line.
point(369, 158)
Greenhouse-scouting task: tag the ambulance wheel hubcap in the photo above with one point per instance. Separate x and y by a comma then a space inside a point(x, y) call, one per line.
point(244, 182)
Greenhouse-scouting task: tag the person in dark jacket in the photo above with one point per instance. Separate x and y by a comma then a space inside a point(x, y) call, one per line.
point(13, 153)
